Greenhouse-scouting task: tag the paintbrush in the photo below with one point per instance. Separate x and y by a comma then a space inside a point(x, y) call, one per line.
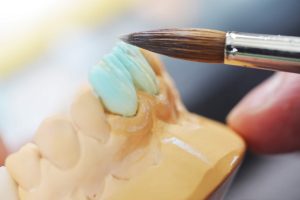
point(271, 52)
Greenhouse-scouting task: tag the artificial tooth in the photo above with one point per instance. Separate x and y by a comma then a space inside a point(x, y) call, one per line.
point(88, 115)
point(114, 64)
point(24, 166)
point(142, 74)
point(58, 142)
point(115, 89)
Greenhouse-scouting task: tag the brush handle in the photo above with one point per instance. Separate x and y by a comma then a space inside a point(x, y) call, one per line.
point(272, 52)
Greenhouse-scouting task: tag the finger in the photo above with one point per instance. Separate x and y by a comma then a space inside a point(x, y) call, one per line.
point(269, 116)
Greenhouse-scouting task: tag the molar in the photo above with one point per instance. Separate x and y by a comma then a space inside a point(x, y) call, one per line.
point(115, 90)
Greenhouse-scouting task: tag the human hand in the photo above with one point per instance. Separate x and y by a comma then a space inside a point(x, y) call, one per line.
point(269, 116)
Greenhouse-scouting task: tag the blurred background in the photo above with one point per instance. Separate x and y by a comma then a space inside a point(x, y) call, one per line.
point(47, 48)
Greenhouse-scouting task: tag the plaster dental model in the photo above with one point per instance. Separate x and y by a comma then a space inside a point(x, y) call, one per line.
point(127, 137)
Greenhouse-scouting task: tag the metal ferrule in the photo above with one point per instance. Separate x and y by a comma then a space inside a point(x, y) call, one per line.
point(273, 52)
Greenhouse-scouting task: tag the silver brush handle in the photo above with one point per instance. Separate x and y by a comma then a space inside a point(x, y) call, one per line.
point(272, 52)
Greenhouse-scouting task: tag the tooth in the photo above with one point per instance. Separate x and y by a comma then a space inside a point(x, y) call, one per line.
point(115, 89)
point(24, 166)
point(58, 142)
point(88, 114)
point(113, 62)
point(142, 74)
point(8, 188)
point(153, 61)
point(137, 56)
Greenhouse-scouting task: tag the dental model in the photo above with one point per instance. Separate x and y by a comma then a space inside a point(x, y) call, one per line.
point(127, 137)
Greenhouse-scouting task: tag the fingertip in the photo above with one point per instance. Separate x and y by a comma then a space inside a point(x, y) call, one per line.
point(268, 117)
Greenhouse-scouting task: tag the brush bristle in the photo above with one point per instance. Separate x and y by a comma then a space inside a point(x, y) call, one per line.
point(201, 45)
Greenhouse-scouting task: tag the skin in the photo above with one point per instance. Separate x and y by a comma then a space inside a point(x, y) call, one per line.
point(269, 116)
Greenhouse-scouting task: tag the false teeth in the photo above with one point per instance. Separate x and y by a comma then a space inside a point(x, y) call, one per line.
point(115, 90)
point(29, 160)
point(117, 75)
point(142, 74)
point(58, 132)
point(113, 62)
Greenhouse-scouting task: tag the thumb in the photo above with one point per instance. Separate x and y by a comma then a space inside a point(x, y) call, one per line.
point(269, 116)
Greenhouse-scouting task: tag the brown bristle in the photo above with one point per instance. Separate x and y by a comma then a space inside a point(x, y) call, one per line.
point(201, 45)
